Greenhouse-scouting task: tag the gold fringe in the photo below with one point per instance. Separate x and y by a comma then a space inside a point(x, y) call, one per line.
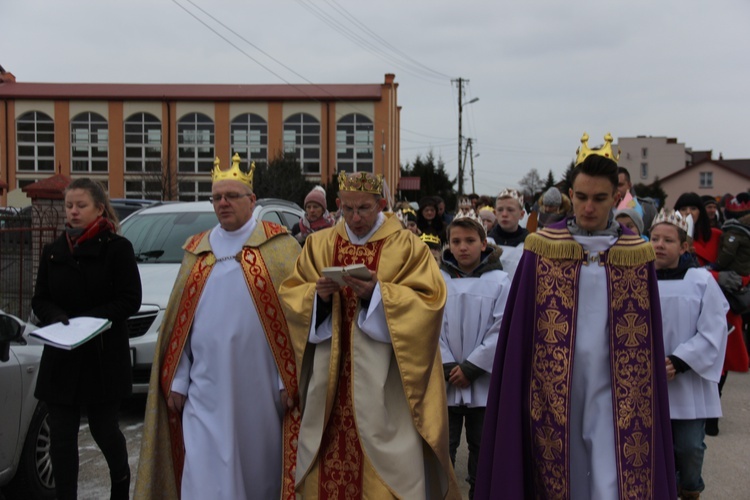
point(631, 251)
point(553, 246)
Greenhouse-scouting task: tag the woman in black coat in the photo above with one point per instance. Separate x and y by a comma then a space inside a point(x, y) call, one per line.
point(88, 271)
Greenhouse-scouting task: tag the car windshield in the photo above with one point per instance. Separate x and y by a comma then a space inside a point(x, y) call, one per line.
point(158, 238)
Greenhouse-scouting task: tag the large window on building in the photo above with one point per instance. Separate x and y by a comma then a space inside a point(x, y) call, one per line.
point(194, 190)
point(195, 144)
point(706, 180)
point(35, 137)
point(89, 143)
point(302, 138)
point(354, 143)
point(250, 138)
point(144, 189)
point(142, 143)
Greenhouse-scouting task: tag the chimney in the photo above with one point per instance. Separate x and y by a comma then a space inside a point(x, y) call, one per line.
point(6, 77)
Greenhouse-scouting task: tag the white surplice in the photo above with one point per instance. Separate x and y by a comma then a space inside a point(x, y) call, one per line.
point(471, 323)
point(233, 413)
point(695, 330)
point(510, 258)
point(593, 463)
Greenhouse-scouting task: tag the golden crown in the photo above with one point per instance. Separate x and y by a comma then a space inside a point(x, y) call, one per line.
point(676, 219)
point(430, 238)
point(361, 181)
point(234, 173)
point(511, 193)
point(606, 151)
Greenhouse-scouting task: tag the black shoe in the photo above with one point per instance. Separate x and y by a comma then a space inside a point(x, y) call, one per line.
point(712, 426)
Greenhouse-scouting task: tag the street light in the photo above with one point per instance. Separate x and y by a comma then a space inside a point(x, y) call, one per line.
point(461, 142)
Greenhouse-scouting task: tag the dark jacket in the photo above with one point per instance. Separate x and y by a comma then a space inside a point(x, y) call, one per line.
point(734, 248)
point(100, 279)
point(508, 239)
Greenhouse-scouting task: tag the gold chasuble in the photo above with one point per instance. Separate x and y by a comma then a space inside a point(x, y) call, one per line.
point(266, 260)
point(374, 414)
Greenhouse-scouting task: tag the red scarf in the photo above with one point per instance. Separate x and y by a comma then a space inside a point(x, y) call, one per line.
point(306, 227)
point(91, 231)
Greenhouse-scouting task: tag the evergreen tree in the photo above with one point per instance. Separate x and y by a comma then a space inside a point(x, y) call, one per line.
point(550, 180)
point(281, 178)
point(434, 180)
point(568, 177)
point(654, 190)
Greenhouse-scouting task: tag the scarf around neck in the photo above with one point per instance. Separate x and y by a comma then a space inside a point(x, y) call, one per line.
point(306, 227)
point(76, 235)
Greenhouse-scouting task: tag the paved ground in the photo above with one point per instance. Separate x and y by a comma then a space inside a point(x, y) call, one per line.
point(725, 468)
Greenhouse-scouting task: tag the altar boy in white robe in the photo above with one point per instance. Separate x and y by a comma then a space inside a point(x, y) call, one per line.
point(477, 292)
point(695, 338)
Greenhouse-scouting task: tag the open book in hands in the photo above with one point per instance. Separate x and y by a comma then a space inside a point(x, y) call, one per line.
point(337, 273)
point(79, 331)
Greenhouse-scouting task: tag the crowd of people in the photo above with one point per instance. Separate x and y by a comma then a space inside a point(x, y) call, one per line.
point(583, 353)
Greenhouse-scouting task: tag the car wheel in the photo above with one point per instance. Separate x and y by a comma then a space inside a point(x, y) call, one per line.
point(34, 479)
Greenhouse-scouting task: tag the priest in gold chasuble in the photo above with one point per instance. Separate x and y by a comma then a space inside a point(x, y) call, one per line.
point(220, 421)
point(374, 413)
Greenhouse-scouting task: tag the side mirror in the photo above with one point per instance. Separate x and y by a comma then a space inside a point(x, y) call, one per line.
point(10, 330)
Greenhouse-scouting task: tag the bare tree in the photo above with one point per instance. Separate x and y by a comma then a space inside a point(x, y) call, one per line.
point(531, 183)
point(156, 182)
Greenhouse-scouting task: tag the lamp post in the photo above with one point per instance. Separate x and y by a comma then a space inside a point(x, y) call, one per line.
point(460, 136)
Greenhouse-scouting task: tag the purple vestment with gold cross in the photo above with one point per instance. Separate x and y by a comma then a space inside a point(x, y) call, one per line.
point(526, 441)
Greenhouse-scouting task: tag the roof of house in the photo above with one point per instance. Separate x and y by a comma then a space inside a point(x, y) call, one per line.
point(191, 92)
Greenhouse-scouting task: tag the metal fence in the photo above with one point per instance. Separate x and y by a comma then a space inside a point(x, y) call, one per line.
point(23, 234)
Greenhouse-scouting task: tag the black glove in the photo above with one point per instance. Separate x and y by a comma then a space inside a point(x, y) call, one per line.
point(60, 319)
point(730, 281)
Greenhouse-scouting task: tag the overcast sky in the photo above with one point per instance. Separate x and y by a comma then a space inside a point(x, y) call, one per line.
point(544, 71)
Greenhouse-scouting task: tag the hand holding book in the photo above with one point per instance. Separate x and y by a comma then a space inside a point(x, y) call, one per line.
point(69, 334)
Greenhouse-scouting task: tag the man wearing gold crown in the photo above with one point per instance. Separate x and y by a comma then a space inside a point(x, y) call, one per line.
point(372, 395)
point(578, 404)
point(220, 419)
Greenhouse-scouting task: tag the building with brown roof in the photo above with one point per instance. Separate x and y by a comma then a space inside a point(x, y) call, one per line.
point(139, 138)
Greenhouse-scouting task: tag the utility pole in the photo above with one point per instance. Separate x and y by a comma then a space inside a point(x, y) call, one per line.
point(470, 147)
point(461, 161)
point(460, 81)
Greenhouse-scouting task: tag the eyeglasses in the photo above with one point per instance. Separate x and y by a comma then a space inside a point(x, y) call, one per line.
point(360, 211)
point(230, 197)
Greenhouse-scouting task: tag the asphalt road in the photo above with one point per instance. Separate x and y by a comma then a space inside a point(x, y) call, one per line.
point(725, 469)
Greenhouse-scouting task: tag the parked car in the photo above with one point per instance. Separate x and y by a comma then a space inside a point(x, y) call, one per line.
point(126, 206)
point(25, 465)
point(157, 234)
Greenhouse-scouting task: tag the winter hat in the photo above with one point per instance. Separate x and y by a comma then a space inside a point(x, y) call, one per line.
point(552, 198)
point(634, 216)
point(708, 200)
point(486, 213)
point(688, 200)
point(317, 195)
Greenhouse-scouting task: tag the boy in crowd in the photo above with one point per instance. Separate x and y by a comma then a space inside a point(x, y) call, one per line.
point(695, 338)
point(630, 218)
point(477, 292)
point(507, 233)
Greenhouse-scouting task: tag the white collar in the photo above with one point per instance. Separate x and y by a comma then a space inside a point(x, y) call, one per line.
point(357, 240)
